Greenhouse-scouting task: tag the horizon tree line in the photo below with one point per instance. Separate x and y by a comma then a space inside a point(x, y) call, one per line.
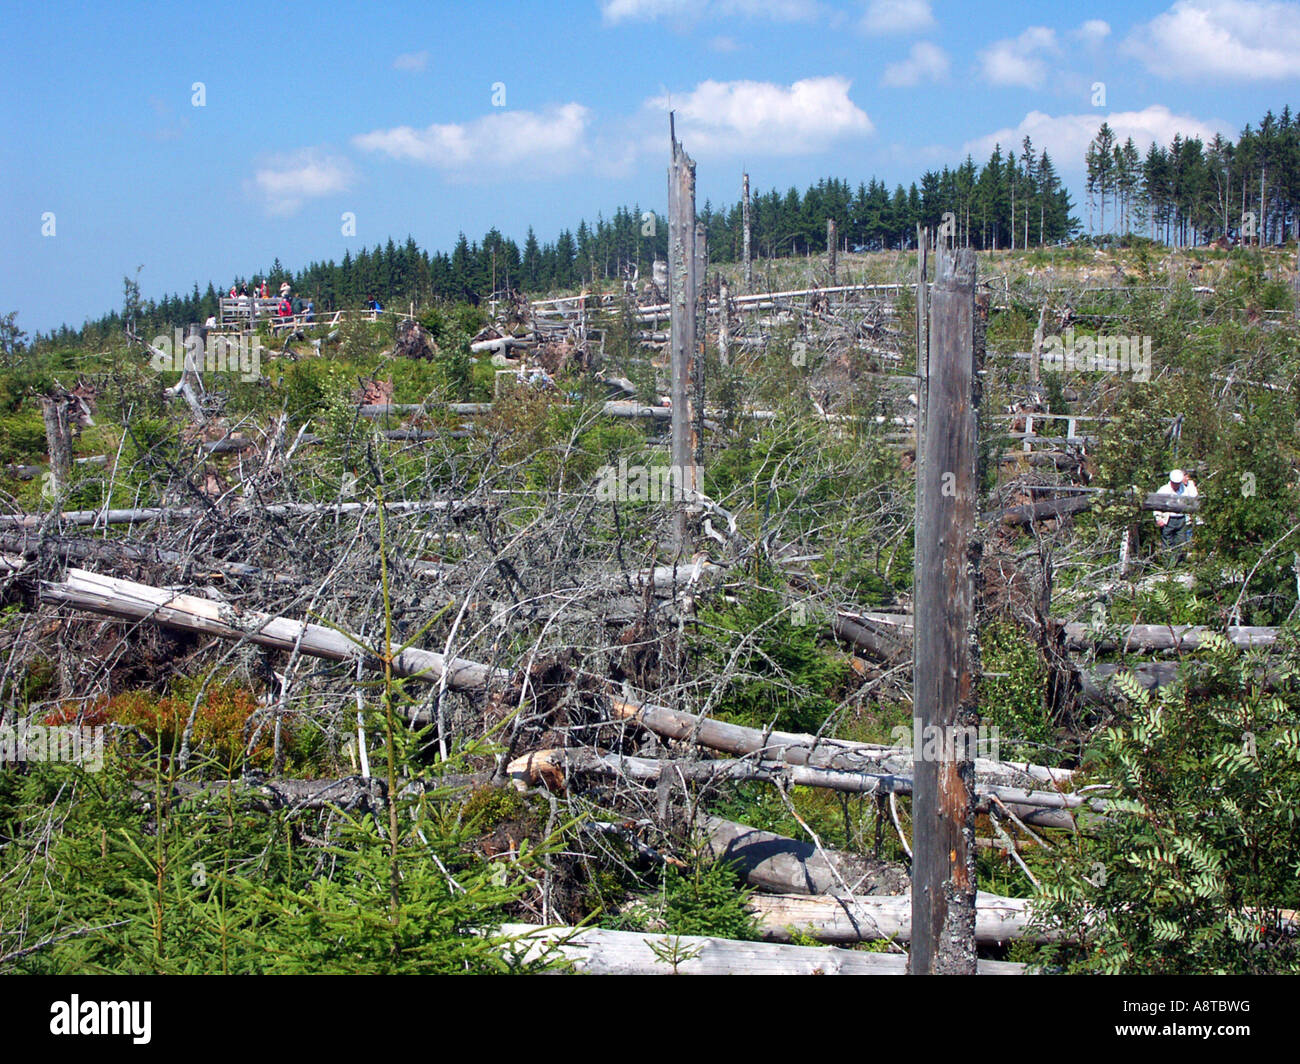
point(1184, 193)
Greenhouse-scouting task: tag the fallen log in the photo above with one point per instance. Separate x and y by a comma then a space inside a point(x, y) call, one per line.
point(346, 792)
point(803, 749)
point(596, 951)
point(117, 552)
point(852, 630)
point(867, 919)
point(555, 767)
point(187, 513)
point(131, 601)
point(1049, 508)
point(1135, 637)
point(383, 409)
point(1164, 637)
point(781, 865)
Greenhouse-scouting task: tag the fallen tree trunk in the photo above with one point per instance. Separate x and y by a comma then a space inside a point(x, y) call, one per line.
point(1096, 683)
point(802, 749)
point(852, 630)
point(596, 951)
point(131, 601)
point(555, 767)
point(1134, 637)
point(346, 792)
point(868, 919)
point(781, 865)
point(187, 513)
point(1049, 508)
point(117, 552)
point(1164, 637)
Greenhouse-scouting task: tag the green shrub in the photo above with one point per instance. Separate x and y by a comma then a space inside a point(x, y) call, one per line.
point(1195, 860)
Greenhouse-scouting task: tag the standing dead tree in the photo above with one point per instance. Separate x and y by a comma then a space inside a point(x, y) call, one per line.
point(945, 661)
point(682, 295)
point(744, 221)
point(58, 439)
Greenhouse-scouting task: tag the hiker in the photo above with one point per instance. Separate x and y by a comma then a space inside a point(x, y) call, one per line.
point(1176, 528)
point(309, 313)
point(375, 305)
point(286, 309)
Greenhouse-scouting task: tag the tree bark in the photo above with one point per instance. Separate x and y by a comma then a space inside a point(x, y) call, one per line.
point(866, 919)
point(131, 601)
point(682, 293)
point(596, 951)
point(58, 441)
point(945, 659)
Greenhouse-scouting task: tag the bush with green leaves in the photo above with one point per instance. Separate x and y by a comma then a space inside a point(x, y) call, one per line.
point(1011, 692)
point(779, 671)
point(706, 897)
point(1194, 862)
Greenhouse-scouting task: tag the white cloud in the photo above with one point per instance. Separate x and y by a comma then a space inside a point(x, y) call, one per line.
point(723, 44)
point(284, 182)
point(1233, 40)
point(1018, 60)
point(513, 144)
point(1094, 31)
point(412, 62)
point(925, 62)
point(763, 118)
point(614, 11)
point(897, 16)
point(1066, 137)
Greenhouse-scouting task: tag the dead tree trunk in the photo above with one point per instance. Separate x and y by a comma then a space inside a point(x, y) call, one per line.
point(595, 951)
point(744, 222)
point(724, 325)
point(922, 343)
point(58, 442)
point(701, 336)
point(947, 554)
point(789, 866)
point(843, 920)
point(831, 248)
point(681, 296)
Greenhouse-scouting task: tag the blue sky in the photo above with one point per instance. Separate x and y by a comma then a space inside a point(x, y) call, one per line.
point(428, 119)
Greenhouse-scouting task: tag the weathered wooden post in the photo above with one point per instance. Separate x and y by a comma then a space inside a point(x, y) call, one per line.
point(682, 295)
point(831, 247)
point(744, 222)
point(945, 655)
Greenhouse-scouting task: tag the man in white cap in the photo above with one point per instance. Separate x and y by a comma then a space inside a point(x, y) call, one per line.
point(1176, 528)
